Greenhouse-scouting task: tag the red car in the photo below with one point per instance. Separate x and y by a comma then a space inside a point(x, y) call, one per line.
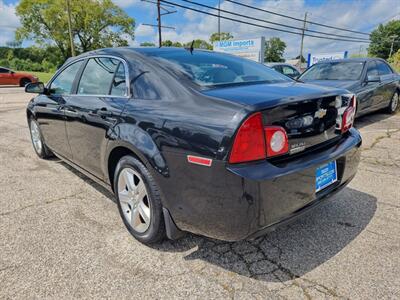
point(9, 77)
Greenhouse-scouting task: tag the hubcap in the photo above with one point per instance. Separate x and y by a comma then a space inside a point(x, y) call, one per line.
point(35, 134)
point(395, 101)
point(134, 200)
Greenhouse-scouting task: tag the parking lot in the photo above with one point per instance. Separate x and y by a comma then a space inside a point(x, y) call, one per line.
point(61, 235)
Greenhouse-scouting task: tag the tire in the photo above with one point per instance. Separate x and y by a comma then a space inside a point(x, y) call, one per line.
point(37, 140)
point(139, 201)
point(24, 82)
point(394, 104)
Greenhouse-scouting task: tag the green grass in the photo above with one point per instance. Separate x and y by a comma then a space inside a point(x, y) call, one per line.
point(43, 77)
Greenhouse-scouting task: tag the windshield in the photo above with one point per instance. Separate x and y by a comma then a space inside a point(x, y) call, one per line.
point(334, 71)
point(213, 69)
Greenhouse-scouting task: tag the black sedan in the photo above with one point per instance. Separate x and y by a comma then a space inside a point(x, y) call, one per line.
point(285, 69)
point(373, 81)
point(196, 141)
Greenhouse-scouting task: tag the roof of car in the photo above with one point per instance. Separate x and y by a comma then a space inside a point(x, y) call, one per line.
point(356, 59)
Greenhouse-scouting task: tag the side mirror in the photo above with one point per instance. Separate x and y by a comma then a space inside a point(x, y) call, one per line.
point(11, 72)
point(35, 88)
point(373, 78)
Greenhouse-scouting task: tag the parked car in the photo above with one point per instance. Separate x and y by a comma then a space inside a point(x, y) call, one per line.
point(9, 77)
point(196, 141)
point(285, 69)
point(372, 80)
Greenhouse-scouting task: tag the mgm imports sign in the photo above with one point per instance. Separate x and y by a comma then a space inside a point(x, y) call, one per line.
point(250, 48)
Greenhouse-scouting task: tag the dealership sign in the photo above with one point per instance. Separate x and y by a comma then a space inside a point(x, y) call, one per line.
point(314, 58)
point(251, 48)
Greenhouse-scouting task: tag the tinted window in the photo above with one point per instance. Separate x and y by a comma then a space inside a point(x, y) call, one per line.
point(383, 68)
point(289, 71)
point(118, 87)
point(97, 77)
point(62, 84)
point(211, 69)
point(334, 71)
point(2, 70)
point(372, 69)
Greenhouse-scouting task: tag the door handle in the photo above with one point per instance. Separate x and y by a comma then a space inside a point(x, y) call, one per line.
point(104, 112)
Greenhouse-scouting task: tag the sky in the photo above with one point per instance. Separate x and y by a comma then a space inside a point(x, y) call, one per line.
point(359, 15)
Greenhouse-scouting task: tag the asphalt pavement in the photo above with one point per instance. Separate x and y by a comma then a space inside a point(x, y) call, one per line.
point(61, 235)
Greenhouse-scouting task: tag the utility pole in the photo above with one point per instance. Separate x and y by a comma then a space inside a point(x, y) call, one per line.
point(159, 23)
point(159, 15)
point(71, 38)
point(219, 20)
point(302, 39)
point(391, 47)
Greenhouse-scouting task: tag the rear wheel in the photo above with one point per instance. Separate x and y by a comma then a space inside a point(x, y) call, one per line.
point(139, 201)
point(37, 140)
point(24, 82)
point(394, 103)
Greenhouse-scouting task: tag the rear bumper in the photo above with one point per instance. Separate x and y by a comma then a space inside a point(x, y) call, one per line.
point(235, 202)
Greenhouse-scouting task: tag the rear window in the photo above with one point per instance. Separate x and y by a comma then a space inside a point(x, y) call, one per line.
point(334, 71)
point(212, 69)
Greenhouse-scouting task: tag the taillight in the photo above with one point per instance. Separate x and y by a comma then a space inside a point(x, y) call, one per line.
point(253, 141)
point(249, 142)
point(349, 114)
point(277, 141)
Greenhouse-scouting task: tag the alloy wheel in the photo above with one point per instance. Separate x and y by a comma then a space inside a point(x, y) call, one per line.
point(36, 137)
point(134, 199)
point(395, 102)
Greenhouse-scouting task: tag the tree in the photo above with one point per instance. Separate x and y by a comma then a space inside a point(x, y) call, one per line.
point(199, 44)
point(95, 24)
point(381, 39)
point(147, 44)
point(274, 49)
point(220, 37)
point(168, 43)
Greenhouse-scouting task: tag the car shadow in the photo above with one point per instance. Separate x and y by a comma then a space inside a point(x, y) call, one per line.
point(371, 118)
point(292, 250)
point(286, 253)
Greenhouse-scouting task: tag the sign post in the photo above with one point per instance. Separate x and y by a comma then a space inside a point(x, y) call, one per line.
point(251, 48)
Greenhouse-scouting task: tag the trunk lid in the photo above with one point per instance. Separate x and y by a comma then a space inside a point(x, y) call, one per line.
point(311, 115)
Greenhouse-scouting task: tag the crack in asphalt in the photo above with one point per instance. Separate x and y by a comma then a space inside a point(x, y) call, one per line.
point(39, 204)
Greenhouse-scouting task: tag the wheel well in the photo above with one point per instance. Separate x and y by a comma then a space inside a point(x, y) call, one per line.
point(24, 78)
point(113, 159)
point(28, 114)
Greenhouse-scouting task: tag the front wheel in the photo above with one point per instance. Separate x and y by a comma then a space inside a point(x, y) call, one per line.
point(394, 104)
point(24, 82)
point(37, 140)
point(139, 200)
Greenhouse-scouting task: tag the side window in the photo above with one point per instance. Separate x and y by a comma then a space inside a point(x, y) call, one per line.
point(288, 70)
point(372, 69)
point(383, 68)
point(62, 84)
point(3, 71)
point(97, 77)
point(118, 86)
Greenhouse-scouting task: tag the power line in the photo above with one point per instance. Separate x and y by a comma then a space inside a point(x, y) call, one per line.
point(262, 26)
point(270, 22)
point(297, 19)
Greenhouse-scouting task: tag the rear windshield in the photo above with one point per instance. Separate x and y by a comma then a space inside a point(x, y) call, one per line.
point(334, 71)
point(209, 69)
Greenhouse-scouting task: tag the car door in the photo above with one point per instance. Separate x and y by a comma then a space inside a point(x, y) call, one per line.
point(387, 85)
point(49, 109)
point(5, 76)
point(367, 97)
point(92, 111)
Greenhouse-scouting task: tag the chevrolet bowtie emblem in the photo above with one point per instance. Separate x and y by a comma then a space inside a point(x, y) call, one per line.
point(320, 113)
